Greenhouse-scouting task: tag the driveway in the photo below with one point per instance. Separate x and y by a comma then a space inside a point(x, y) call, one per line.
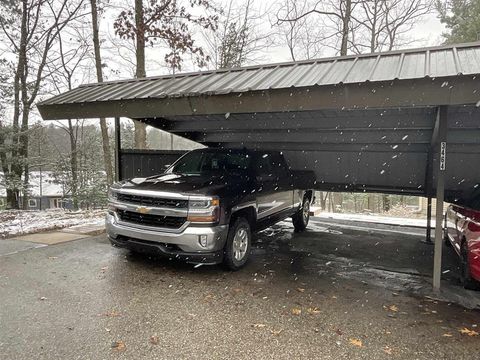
point(337, 291)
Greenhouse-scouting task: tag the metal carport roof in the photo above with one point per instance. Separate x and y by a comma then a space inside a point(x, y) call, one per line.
point(364, 122)
point(376, 122)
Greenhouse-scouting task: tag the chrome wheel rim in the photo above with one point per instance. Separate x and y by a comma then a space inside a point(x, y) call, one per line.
point(306, 211)
point(240, 244)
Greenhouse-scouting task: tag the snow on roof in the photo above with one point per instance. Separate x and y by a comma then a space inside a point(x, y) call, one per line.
point(41, 184)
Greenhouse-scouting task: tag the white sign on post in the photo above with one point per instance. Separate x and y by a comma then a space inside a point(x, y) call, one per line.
point(443, 155)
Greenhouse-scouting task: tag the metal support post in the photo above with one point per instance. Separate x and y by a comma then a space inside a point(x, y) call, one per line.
point(441, 151)
point(118, 150)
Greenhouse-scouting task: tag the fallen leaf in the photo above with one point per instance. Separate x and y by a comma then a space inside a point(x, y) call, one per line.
point(112, 313)
point(296, 311)
point(468, 332)
point(387, 350)
point(313, 311)
point(393, 308)
point(276, 332)
point(258, 325)
point(447, 335)
point(301, 290)
point(154, 340)
point(119, 345)
point(356, 342)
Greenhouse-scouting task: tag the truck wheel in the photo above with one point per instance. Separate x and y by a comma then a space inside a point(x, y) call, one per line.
point(467, 281)
point(300, 219)
point(237, 247)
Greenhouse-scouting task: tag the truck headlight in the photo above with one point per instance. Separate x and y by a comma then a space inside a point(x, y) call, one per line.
point(203, 210)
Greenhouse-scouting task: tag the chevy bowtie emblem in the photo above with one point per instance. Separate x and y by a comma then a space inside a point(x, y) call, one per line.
point(143, 210)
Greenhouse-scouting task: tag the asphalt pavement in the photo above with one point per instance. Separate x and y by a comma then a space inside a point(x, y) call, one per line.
point(338, 291)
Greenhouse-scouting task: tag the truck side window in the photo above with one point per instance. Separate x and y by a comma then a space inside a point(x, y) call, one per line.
point(279, 163)
point(264, 165)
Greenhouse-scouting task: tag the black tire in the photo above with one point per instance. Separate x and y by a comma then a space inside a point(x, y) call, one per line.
point(301, 218)
point(467, 281)
point(237, 249)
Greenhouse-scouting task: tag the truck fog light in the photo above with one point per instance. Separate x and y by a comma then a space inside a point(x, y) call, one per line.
point(202, 239)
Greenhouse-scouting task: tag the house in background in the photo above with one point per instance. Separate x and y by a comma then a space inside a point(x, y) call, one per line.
point(45, 193)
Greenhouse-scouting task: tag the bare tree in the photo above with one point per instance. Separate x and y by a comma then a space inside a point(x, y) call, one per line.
point(70, 56)
point(383, 24)
point(167, 22)
point(107, 159)
point(304, 38)
point(31, 29)
point(335, 15)
point(238, 39)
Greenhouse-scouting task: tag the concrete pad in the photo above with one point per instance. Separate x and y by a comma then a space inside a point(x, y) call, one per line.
point(9, 246)
point(87, 229)
point(50, 238)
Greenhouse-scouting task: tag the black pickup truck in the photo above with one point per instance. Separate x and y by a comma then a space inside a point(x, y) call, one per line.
point(205, 206)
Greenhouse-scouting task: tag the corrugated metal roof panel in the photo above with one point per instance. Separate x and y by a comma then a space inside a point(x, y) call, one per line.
point(385, 69)
point(314, 74)
point(413, 66)
point(469, 60)
point(362, 69)
point(442, 63)
point(409, 64)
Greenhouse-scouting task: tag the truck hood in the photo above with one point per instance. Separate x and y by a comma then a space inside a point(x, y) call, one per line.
point(209, 184)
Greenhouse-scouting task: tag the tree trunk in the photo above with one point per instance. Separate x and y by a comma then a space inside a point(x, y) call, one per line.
point(386, 202)
point(140, 128)
point(73, 164)
point(107, 157)
point(16, 169)
point(346, 27)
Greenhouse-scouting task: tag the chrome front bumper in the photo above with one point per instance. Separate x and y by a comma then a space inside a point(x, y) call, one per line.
point(187, 238)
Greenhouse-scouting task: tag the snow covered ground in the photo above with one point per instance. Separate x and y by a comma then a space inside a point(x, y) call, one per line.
point(375, 219)
point(18, 222)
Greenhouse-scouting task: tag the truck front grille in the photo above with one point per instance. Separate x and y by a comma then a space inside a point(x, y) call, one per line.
point(171, 222)
point(152, 201)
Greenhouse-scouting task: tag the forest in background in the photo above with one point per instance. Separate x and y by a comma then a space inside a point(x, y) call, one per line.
point(50, 46)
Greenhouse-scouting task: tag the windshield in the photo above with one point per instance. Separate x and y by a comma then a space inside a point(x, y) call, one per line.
point(201, 162)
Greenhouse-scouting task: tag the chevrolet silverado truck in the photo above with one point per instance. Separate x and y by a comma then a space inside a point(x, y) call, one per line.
point(206, 205)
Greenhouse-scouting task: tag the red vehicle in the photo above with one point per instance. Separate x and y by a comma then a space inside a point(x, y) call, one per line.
point(462, 231)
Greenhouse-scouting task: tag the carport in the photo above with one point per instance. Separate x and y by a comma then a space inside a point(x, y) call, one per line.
point(400, 122)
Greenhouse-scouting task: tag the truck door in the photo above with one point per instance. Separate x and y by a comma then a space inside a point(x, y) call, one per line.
point(270, 199)
point(285, 181)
